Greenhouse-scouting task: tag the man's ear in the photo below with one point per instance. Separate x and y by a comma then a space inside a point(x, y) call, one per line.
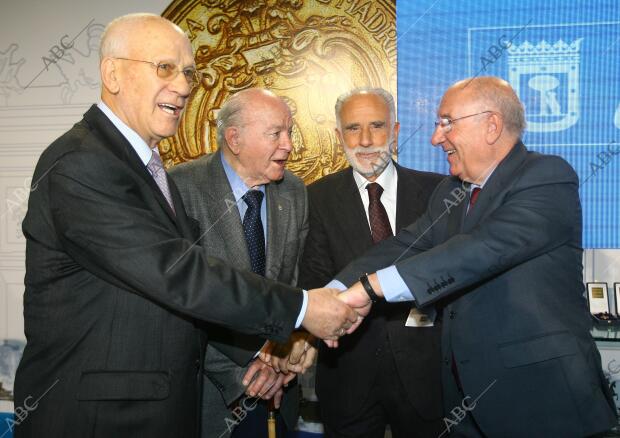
point(395, 132)
point(339, 137)
point(231, 134)
point(109, 75)
point(494, 128)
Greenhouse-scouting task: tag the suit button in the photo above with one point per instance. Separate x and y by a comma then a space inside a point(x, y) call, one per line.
point(452, 314)
point(378, 352)
point(446, 361)
point(197, 363)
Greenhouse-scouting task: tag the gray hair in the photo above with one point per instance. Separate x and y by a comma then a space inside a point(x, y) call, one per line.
point(501, 96)
point(112, 44)
point(231, 114)
point(383, 94)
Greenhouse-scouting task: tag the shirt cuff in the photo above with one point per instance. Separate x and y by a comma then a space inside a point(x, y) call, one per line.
point(302, 312)
point(393, 287)
point(335, 284)
point(258, 352)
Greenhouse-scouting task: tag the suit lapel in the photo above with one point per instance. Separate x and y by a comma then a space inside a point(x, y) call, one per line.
point(223, 212)
point(501, 177)
point(456, 213)
point(182, 221)
point(407, 188)
point(119, 146)
point(355, 226)
point(278, 217)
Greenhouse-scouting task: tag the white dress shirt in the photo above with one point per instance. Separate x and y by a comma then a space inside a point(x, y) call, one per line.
point(388, 180)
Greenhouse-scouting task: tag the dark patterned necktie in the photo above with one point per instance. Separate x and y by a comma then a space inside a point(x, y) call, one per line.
point(156, 167)
point(254, 232)
point(473, 197)
point(377, 216)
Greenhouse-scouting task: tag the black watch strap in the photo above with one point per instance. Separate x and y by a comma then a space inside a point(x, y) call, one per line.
point(368, 288)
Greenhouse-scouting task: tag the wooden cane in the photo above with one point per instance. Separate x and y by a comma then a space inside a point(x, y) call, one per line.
point(271, 419)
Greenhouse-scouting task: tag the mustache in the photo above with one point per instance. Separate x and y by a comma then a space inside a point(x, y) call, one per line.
point(370, 150)
point(386, 148)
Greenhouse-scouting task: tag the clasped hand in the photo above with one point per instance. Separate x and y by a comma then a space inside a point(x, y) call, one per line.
point(278, 364)
point(330, 314)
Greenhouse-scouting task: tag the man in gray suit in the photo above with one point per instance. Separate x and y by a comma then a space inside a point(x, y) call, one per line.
point(499, 249)
point(254, 128)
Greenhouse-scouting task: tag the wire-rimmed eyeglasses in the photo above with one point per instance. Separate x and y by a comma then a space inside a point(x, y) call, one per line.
point(169, 71)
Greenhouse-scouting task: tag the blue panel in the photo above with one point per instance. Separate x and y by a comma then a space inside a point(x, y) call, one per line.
point(562, 58)
point(6, 424)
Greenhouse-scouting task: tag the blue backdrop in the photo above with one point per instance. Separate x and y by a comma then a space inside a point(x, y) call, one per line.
point(562, 57)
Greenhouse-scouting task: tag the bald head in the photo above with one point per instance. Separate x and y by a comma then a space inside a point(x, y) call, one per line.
point(493, 93)
point(142, 57)
point(126, 35)
point(480, 121)
point(241, 106)
point(254, 134)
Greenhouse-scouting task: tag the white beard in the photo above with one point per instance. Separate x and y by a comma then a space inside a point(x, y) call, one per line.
point(374, 168)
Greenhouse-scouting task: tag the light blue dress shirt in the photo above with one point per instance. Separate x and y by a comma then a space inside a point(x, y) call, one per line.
point(239, 188)
point(391, 282)
point(142, 149)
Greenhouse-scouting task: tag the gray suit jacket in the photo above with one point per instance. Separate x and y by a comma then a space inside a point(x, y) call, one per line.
point(208, 198)
point(509, 274)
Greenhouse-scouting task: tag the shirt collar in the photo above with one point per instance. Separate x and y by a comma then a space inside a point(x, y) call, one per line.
point(385, 179)
point(481, 185)
point(238, 186)
point(142, 149)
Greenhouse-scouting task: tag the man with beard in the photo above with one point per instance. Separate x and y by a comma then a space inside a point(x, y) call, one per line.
point(500, 247)
point(386, 372)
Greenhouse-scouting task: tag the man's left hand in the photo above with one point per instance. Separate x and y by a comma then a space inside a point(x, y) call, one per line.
point(296, 356)
point(261, 380)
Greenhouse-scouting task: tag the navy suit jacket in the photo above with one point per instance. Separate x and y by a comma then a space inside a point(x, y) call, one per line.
point(509, 274)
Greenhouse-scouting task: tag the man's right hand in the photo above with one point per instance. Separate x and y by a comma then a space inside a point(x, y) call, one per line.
point(327, 317)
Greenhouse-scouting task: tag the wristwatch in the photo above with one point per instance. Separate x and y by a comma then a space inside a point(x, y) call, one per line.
point(368, 288)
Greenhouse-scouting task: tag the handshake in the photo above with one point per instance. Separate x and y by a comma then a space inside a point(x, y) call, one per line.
point(330, 314)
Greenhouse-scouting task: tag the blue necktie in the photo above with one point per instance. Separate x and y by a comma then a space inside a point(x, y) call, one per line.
point(253, 230)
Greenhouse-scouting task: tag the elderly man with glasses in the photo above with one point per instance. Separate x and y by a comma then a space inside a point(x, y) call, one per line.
point(116, 285)
point(499, 248)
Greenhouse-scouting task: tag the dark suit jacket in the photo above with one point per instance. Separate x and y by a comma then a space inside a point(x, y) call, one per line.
point(208, 197)
point(339, 232)
point(510, 275)
point(114, 285)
